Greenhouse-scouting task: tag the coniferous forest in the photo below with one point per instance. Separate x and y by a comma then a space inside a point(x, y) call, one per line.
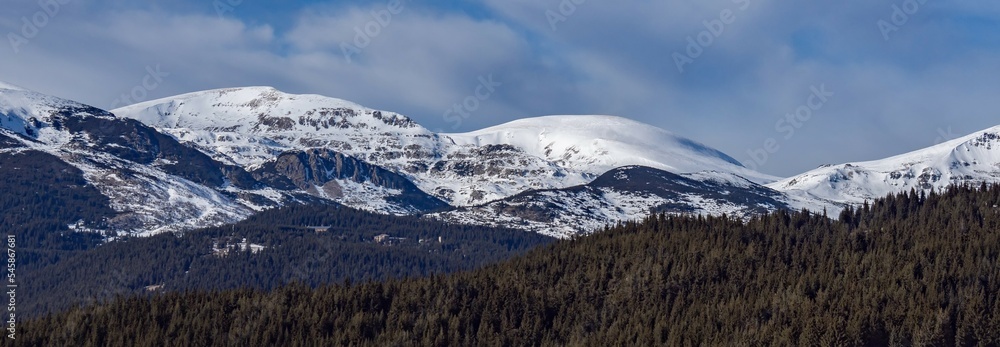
point(910, 269)
point(223, 257)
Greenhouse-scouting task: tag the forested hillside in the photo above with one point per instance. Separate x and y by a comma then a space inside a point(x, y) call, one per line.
point(40, 196)
point(271, 249)
point(905, 270)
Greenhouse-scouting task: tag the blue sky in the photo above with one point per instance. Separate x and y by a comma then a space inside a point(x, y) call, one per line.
point(933, 79)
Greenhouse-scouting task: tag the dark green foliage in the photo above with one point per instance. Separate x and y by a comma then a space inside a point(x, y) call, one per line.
point(906, 270)
point(40, 196)
point(293, 254)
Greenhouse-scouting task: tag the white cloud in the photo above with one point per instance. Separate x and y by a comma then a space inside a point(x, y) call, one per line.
point(606, 58)
point(421, 62)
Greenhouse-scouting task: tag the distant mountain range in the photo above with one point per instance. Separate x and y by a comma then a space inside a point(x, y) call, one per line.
point(215, 157)
point(971, 159)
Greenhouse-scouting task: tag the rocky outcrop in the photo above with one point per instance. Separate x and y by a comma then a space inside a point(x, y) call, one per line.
point(323, 172)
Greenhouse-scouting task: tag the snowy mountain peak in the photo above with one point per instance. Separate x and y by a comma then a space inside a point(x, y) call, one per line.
point(28, 113)
point(601, 143)
point(154, 183)
point(5, 85)
point(550, 133)
point(974, 158)
point(249, 126)
point(260, 109)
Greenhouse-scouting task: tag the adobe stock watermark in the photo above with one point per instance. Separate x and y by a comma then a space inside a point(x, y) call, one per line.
point(714, 28)
point(365, 34)
point(152, 80)
point(117, 284)
point(459, 112)
point(303, 273)
point(900, 16)
point(223, 7)
point(562, 12)
point(788, 125)
point(944, 135)
point(30, 27)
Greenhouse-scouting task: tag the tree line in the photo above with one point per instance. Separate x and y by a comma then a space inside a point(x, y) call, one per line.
point(293, 253)
point(909, 269)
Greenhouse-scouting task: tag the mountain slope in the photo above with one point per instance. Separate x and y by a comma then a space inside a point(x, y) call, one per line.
point(130, 163)
point(622, 194)
point(250, 125)
point(556, 152)
point(157, 184)
point(212, 258)
point(216, 156)
point(973, 159)
point(247, 126)
point(602, 143)
point(927, 275)
point(41, 195)
point(347, 180)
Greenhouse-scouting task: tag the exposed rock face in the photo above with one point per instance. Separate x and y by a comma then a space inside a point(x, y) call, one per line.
point(620, 195)
point(324, 172)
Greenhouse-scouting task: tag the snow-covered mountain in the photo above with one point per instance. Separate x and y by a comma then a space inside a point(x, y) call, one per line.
point(117, 157)
point(575, 150)
point(622, 194)
point(217, 156)
point(603, 143)
point(156, 184)
point(248, 126)
point(970, 159)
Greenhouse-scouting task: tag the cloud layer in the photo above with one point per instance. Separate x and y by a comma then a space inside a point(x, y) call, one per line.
point(756, 62)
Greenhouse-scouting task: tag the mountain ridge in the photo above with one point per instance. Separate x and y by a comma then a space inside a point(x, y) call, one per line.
point(972, 159)
point(462, 169)
point(157, 184)
point(218, 156)
point(620, 195)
